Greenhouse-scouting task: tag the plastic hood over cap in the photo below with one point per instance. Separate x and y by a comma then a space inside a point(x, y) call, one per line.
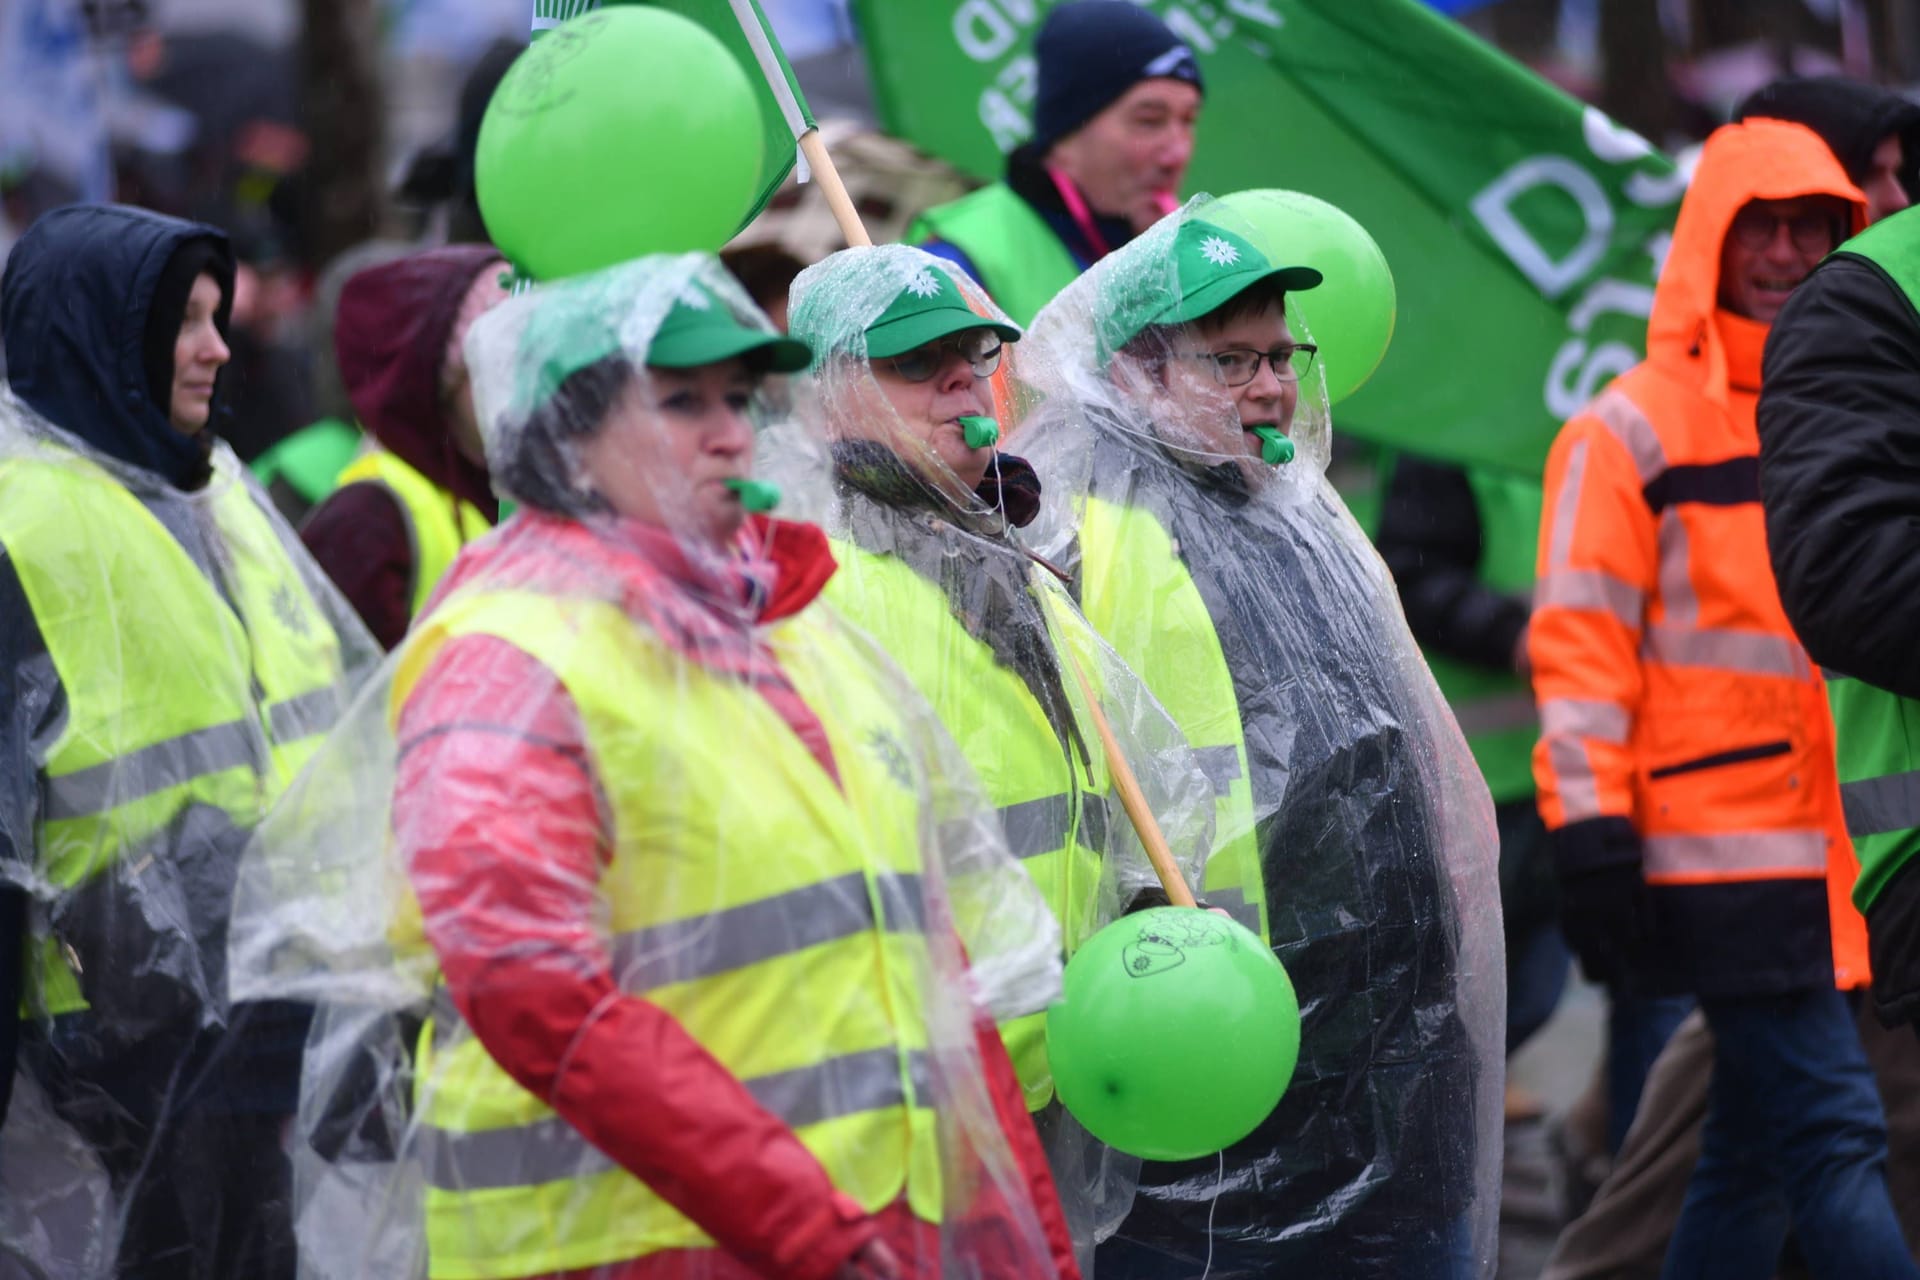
point(1252, 605)
point(708, 919)
point(940, 573)
point(1756, 160)
point(1121, 335)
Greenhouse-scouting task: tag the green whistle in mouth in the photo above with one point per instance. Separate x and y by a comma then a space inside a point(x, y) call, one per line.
point(980, 431)
point(1275, 449)
point(756, 496)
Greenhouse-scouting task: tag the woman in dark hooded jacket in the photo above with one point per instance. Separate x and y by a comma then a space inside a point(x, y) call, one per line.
point(405, 509)
point(169, 658)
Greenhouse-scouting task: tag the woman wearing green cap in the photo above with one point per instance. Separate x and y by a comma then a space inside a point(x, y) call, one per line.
point(1185, 430)
point(925, 514)
point(685, 858)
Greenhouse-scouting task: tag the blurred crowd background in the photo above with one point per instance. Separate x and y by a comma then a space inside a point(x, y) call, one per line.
point(309, 127)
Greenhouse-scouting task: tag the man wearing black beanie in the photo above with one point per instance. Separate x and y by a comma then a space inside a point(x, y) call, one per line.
point(1112, 134)
point(1873, 132)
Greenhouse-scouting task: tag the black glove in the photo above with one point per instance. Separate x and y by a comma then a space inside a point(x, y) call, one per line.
point(1603, 897)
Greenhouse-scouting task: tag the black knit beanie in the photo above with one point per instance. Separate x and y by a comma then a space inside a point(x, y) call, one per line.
point(169, 307)
point(1851, 117)
point(1093, 51)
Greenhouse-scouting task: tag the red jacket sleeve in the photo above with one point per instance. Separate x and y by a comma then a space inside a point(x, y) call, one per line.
point(1010, 1103)
point(501, 825)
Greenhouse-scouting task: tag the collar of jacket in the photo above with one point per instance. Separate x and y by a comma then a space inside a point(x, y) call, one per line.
point(1143, 447)
point(1027, 175)
point(773, 570)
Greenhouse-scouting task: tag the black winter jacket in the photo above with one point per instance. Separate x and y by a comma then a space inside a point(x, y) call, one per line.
point(1366, 1165)
point(1839, 426)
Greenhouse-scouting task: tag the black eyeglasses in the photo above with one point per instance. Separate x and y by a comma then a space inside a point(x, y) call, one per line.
point(980, 348)
point(1237, 366)
point(1814, 231)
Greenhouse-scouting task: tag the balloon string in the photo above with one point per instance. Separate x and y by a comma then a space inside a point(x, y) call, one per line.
point(1219, 1185)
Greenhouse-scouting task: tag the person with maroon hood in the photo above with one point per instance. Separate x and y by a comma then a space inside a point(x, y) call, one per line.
point(405, 509)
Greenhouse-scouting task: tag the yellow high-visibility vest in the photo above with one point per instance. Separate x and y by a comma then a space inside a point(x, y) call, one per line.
point(776, 916)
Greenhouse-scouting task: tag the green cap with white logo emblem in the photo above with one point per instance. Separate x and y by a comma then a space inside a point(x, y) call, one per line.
point(1212, 266)
point(930, 305)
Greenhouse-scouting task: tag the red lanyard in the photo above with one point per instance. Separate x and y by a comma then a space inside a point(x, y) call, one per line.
point(1081, 214)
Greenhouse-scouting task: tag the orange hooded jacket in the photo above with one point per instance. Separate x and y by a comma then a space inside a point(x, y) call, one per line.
point(1673, 694)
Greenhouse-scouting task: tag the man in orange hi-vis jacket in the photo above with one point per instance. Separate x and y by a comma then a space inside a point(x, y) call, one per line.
point(1685, 766)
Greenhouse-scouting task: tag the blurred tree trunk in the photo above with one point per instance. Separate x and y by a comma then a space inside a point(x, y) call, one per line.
point(1633, 53)
point(345, 192)
point(1894, 31)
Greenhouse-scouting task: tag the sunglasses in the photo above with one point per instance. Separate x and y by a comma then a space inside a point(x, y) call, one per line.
point(980, 348)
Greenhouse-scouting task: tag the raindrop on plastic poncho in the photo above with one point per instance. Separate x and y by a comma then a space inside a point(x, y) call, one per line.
point(193, 659)
point(894, 453)
point(1242, 591)
point(658, 927)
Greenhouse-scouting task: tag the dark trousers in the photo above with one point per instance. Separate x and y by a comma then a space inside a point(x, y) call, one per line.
point(1638, 1028)
point(188, 1127)
point(1794, 1137)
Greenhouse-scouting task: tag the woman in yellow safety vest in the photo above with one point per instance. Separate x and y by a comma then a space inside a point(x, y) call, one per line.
point(169, 659)
point(689, 867)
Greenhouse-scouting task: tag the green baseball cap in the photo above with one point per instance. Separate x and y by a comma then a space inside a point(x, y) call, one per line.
point(1213, 266)
point(699, 329)
point(702, 330)
point(929, 306)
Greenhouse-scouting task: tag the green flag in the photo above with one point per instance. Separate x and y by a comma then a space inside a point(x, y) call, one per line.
point(1524, 229)
point(744, 29)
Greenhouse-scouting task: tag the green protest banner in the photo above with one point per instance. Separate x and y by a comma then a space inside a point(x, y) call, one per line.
point(1524, 229)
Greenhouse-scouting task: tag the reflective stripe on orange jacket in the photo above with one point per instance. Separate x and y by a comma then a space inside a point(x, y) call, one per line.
point(1673, 693)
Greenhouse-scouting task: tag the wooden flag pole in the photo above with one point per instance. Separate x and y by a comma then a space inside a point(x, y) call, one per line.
point(814, 148)
point(1132, 799)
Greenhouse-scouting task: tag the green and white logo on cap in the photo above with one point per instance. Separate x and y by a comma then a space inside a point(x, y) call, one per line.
point(1211, 265)
point(928, 306)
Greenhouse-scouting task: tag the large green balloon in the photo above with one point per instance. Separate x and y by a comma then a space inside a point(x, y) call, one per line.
point(1351, 314)
point(1177, 1034)
point(620, 133)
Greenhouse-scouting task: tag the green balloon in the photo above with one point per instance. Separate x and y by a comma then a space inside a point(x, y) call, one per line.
point(1350, 315)
point(1177, 1034)
point(620, 133)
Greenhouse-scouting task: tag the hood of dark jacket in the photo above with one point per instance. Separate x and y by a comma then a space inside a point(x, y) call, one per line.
point(1851, 117)
point(390, 337)
point(1761, 159)
point(74, 308)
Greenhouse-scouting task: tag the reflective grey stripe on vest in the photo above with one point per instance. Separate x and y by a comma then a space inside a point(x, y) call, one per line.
point(304, 716)
point(1729, 852)
point(1037, 827)
point(152, 769)
point(1759, 653)
point(550, 1149)
point(765, 929)
point(1221, 765)
point(1879, 806)
point(1496, 713)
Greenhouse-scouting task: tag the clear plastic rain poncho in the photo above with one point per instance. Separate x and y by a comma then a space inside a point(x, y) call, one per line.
point(194, 657)
point(658, 928)
point(1252, 604)
point(892, 453)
